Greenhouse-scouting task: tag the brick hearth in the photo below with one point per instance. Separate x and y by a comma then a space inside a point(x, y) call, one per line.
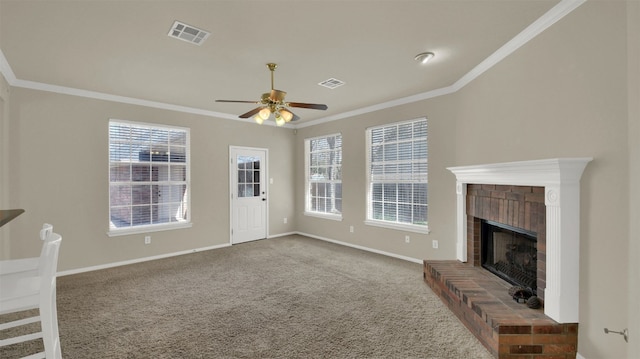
point(509, 330)
point(481, 300)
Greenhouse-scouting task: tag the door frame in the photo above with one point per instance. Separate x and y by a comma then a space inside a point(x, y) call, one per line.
point(232, 181)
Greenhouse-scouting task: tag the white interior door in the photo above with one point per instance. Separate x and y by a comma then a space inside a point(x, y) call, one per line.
point(247, 172)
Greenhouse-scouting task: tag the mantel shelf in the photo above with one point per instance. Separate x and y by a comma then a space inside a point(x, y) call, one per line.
point(6, 215)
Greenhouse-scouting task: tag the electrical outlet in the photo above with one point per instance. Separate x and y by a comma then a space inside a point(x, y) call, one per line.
point(434, 244)
point(285, 220)
point(351, 229)
point(407, 239)
point(147, 239)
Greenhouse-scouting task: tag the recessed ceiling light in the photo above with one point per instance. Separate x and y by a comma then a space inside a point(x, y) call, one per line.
point(424, 57)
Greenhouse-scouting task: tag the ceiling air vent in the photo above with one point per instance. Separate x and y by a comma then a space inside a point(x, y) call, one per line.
point(331, 83)
point(188, 33)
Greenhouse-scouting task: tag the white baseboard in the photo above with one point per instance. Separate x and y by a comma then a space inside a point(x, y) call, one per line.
point(138, 260)
point(410, 259)
point(145, 259)
point(281, 235)
point(578, 356)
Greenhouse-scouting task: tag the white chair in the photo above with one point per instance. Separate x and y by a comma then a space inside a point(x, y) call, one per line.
point(31, 284)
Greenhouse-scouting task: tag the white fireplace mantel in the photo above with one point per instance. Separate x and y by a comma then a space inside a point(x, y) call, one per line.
point(560, 178)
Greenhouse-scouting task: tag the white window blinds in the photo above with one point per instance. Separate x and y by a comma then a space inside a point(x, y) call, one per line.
point(148, 176)
point(324, 175)
point(397, 173)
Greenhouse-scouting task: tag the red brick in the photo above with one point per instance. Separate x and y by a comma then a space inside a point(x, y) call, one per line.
point(527, 216)
point(534, 197)
point(516, 339)
point(552, 339)
point(559, 348)
point(512, 329)
point(498, 194)
point(495, 209)
point(504, 349)
point(526, 349)
point(522, 189)
point(511, 356)
point(513, 196)
point(473, 186)
point(548, 329)
point(486, 294)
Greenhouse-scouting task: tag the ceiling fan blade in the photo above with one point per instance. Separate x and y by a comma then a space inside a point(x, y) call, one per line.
point(314, 106)
point(251, 113)
point(236, 101)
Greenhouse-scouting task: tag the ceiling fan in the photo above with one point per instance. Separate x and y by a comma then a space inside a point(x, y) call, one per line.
point(273, 103)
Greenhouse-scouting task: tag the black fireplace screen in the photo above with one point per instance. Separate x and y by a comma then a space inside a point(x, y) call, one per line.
point(510, 253)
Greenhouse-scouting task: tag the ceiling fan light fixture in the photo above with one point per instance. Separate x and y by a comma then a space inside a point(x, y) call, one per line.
point(259, 120)
point(286, 115)
point(280, 120)
point(264, 113)
point(424, 57)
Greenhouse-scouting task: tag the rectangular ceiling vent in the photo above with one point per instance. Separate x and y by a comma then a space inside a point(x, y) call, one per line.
point(331, 83)
point(188, 33)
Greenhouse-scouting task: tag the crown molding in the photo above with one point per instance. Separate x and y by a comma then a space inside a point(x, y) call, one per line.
point(381, 106)
point(552, 16)
point(6, 70)
point(544, 22)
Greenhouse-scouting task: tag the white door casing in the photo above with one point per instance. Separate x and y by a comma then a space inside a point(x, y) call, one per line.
point(248, 189)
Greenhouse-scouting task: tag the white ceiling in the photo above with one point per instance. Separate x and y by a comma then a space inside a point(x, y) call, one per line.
point(122, 48)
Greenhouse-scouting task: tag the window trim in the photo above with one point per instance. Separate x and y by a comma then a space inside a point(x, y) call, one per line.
point(307, 183)
point(148, 228)
point(369, 197)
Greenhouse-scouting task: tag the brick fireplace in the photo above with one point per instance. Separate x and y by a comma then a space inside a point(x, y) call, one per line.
point(515, 206)
point(541, 197)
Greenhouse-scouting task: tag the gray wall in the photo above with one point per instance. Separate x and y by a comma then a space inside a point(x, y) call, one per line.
point(58, 172)
point(571, 91)
point(633, 97)
point(567, 93)
point(4, 157)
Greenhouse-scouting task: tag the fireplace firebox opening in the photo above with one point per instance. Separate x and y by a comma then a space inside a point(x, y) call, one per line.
point(510, 253)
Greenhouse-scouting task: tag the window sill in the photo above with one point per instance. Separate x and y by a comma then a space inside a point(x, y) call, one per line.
point(397, 226)
point(148, 229)
point(333, 217)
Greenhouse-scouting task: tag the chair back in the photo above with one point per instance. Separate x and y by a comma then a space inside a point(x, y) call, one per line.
point(30, 283)
point(49, 253)
point(48, 306)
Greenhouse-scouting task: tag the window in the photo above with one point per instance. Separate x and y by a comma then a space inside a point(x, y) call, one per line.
point(397, 175)
point(148, 177)
point(323, 163)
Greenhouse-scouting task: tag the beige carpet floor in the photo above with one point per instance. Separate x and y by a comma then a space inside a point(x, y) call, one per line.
point(288, 297)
